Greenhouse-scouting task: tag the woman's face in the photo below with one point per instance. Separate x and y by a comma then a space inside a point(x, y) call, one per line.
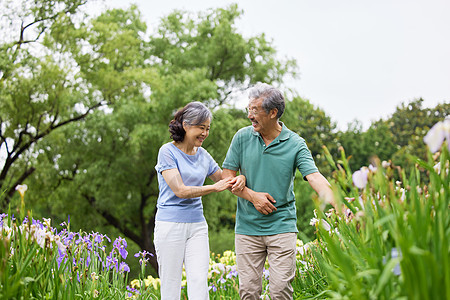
point(196, 134)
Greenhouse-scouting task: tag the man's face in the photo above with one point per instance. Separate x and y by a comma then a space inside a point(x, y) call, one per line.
point(260, 119)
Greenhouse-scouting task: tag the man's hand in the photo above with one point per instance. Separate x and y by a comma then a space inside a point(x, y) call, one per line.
point(263, 202)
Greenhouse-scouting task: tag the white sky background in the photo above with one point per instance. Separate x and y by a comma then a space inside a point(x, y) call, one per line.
point(358, 59)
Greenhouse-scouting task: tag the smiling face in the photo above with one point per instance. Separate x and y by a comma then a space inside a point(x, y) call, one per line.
point(196, 134)
point(261, 120)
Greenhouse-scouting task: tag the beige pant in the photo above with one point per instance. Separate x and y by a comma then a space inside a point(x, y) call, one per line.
point(251, 253)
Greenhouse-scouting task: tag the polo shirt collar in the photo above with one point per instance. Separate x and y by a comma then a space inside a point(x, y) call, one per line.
point(284, 134)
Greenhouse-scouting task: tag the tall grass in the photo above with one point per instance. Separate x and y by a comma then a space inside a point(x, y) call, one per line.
point(394, 242)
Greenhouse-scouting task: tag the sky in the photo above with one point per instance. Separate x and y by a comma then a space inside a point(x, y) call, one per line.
point(357, 59)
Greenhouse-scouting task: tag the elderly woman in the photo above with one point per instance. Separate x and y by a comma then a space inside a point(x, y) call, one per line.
point(181, 231)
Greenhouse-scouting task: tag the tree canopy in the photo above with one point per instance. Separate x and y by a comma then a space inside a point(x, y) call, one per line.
point(396, 138)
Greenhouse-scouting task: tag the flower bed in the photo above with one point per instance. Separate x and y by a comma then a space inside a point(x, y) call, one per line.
point(390, 240)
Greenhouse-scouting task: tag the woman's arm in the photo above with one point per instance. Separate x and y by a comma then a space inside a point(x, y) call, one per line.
point(173, 179)
point(238, 182)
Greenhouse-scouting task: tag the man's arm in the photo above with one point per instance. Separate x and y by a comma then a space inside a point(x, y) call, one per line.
point(322, 187)
point(261, 201)
point(237, 183)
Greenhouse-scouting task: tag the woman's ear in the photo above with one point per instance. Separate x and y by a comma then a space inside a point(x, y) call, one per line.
point(185, 125)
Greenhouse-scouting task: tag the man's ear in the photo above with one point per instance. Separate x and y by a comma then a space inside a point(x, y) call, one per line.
point(273, 113)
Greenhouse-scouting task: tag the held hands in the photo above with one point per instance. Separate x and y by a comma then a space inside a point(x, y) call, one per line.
point(238, 183)
point(223, 184)
point(263, 203)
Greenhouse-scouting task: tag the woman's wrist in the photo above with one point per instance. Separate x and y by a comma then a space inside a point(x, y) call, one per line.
point(215, 188)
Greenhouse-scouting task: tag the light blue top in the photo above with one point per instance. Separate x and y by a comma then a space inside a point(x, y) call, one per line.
point(193, 170)
point(269, 169)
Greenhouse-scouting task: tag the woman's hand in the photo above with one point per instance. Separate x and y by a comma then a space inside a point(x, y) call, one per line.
point(223, 184)
point(238, 183)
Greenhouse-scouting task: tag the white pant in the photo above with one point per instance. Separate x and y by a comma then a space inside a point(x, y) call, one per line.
point(178, 243)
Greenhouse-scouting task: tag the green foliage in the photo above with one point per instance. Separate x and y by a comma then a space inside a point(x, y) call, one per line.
point(209, 41)
point(396, 243)
point(39, 92)
point(365, 147)
point(304, 195)
point(314, 126)
point(85, 104)
point(101, 166)
point(409, 124)
point(396, 138)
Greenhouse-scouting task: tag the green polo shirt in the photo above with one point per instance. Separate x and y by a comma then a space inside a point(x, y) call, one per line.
point(269, 169)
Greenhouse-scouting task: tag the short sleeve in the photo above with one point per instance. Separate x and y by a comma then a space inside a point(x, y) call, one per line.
point(232, 159)
point(305, 162)
point(166, 160)
point(212, 164)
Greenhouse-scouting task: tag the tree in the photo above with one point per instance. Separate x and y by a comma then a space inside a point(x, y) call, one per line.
point(209, 41)
point(313, 124)
point(102, 170)
point(396, 138)
point(38, 93)
point(409, 124)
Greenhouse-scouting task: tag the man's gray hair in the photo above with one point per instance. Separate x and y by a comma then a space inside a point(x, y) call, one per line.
point(272, 97)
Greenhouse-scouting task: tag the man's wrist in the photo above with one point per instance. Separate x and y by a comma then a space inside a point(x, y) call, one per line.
point(251, 195)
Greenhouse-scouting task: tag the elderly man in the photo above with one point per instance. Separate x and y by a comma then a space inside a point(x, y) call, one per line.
point(268, 154)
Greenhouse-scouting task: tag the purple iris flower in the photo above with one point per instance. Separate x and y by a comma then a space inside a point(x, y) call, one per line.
point(88, 260)
point(87, 241)
point(2, 216)
point(124, 267)
point(37, 223)
point(70, 236)
point(60, 257)
point(132, 290)
point(98, 238)
point(143, 254)
point(119, 241)
point(123, 252)
point(213, 288)
point(266, 273)
point(231, 274)
point(112, 262)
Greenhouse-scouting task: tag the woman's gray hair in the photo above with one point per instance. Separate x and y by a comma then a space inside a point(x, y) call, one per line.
point(194, 113)
point(272, 97)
